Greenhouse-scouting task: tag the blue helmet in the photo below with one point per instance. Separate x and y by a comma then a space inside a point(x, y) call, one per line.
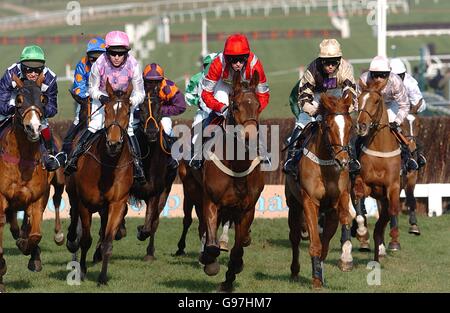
point(96, 44)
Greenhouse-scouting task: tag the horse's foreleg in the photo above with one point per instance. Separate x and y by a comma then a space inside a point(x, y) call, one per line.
point(378, 233)
point(212, 250)
point(2, 259)
point(315, 246)
point(86, 238)
point(57, 196)
point(98, 250)
point(223, 240)
point(411, 203)
point(156, 205)
point(122, 232)
point(393, 196)
point(32, 227)
point(11, 218)
point(187, 221)
point(329, 229)
point(295, 225)
point(115, 214)
point(346, 260)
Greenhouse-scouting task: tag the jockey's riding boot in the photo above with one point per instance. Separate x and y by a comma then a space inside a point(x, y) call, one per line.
point(139, 175)
point(421, 161)
point(171, 162)
point(51, 162)
point(353, 165)
point(71, 165)
point(70, 136)
point(290, 166)
point(411, 164)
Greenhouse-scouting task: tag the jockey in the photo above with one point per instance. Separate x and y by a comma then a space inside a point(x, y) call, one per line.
point(121, 69)
point(414, 95)
point(80, 87)
point(172, 99)
point(236, 59)
point(30, 67)
point(193, 94)
point(328, 71)
point(395, 97)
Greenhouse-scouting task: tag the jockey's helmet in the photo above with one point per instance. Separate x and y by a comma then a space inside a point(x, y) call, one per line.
point(236, 44)
point(153, 72)
point(379, 64)
point(96, 44)
point(32, 56)
point(330, 48)
point(117, 41)
point(397, 66)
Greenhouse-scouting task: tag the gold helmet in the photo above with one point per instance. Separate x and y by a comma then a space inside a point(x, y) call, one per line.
point(330, 48)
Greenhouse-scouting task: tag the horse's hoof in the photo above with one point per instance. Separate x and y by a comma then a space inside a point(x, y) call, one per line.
point(294, 278)
point(364, 247)
point(3, 267)
point(239, 269)
point(212, 269)
point(345, 266)
point(141, 235)
point(72, 246)
point(394, 246)
point(149, 258)
point(225, 287)
point(247, 241)
point(121, 233)
point(97, 256)
point(35, 265)
point(317, 284)
point(22, 245)
point(59, 238)
point(83, 275)
point(15, 233)
point(304, 235)
point(102, 281)
point(414, 229)
point(180, 253)
point(2, 288)
point(212, 251)
point(223, 246)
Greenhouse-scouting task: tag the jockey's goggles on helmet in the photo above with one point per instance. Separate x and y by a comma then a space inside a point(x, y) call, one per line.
point(114, 53)
point(380, 74)
point(233, 59)
point(29, 69)
point(93, 56)
point(402, 75)
point(331, 61)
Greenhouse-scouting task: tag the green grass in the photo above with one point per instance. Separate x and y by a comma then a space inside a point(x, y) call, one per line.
point(421, 265)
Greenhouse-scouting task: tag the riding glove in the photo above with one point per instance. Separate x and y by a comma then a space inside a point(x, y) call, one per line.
point(309, 108)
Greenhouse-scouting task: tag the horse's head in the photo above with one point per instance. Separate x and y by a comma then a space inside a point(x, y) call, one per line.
point(337, 124)
point(30, 102)
point(370, 107)
point(117, 116)
point(244, 106)
point(150, 110)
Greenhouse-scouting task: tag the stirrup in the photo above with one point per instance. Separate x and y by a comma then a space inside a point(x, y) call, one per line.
point(421, 160)
point(290, 168)
point(52, 163)
point(354, 166)
point(411, 165)
point(195, 164)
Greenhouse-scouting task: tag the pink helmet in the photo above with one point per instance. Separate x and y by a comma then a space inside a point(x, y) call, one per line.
point(117, 38)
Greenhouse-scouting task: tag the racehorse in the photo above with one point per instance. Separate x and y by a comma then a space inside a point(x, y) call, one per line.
point(380, 163)
point(102, 183)
point(323, 186)
point(409, 179)
point(228, 189)
point(25, 183)
point(155, 158)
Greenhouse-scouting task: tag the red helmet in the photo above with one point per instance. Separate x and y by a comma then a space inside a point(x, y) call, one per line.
point(236, 44)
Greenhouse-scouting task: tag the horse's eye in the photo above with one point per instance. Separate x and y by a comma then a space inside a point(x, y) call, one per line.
point(19, 101)
point(44, 99)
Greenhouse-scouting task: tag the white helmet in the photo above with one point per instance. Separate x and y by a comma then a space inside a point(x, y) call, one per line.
point(330, 48)
point(397, 66)
point(379, 64)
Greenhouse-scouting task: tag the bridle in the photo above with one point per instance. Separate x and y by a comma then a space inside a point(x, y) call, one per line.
point(330, 145)
point(374, 119)
point(115, 122)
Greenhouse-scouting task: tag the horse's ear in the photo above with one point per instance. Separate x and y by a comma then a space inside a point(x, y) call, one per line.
point(255, 80)
point(327, 102)
point(40, 79)
point(237, 82)
point(109, 89)
point(415, 108)
point(17, 80)
point(129, 90)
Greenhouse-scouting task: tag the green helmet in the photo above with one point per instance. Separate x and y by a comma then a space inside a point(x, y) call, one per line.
point(32, 53)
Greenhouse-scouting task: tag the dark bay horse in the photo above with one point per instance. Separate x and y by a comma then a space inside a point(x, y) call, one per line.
point(323, 186)
point(159, 176)
point(380, 163)
point(228, 189)
point(102, 183)
point(25, 184)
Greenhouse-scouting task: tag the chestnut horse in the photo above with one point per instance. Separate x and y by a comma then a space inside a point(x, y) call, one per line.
point(380, 163)
point(229, 188)
point(323, 186)
point(155, 159)
point(102, 183)
point(25, 184)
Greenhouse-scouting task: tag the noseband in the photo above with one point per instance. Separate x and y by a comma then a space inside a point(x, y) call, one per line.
point(330, 145)
point(116, 123)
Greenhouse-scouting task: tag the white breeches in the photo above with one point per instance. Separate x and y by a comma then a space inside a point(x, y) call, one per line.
point(97, 120)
